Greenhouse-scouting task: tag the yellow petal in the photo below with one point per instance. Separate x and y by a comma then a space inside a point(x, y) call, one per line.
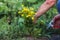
point(32, 12)
point(25, 9)
point(32, 18)
point(31, 8)
point(22, 15)
point(19, 12)
point(28, 16)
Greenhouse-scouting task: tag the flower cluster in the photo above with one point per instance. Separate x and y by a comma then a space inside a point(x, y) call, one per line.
point(26, 12)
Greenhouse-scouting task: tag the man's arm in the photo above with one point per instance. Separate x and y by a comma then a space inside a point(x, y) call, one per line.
point(43, 8)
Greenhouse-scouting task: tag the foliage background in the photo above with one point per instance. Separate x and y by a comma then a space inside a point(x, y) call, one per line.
point(12, 25)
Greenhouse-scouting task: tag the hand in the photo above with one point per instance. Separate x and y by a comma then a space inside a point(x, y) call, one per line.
point(35, 20)
point(56, 17)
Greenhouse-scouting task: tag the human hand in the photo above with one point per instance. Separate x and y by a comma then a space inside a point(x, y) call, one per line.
point(35, 20)
point(56, 17)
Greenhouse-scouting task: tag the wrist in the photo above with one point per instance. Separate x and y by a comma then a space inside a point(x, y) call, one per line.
point(35, 17)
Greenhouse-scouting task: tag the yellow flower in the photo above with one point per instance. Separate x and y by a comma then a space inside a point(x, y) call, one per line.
point(19, 12)
point(32, 12)
point(28, 16)
point(32, 18)
point(22, 15)
point(25, 9)
point(31, 8)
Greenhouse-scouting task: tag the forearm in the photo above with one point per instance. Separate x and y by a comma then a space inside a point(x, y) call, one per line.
point(43, 8)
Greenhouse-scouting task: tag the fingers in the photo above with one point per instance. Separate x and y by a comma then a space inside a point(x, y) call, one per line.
point(57, 16)
point(34, 21)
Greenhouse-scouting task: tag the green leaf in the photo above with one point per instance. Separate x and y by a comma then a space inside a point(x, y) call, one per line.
point(21, 20)
point(32, 1)
point(36, 6)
